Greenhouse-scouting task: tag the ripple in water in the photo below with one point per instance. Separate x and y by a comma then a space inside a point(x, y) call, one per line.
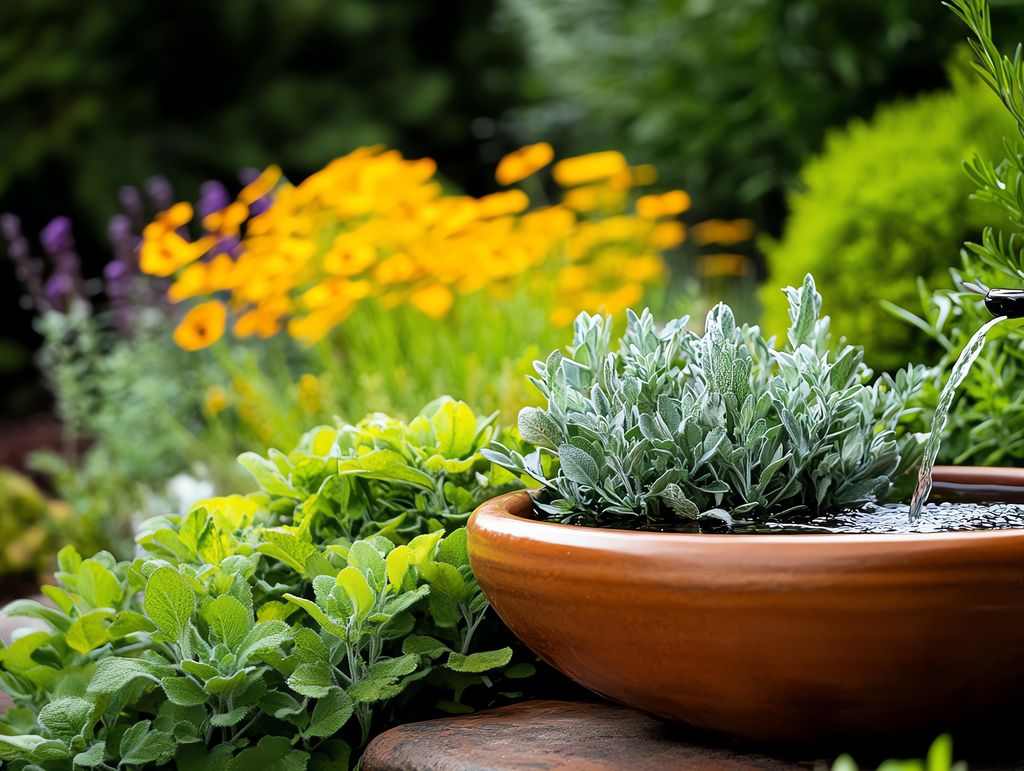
point(881, 519)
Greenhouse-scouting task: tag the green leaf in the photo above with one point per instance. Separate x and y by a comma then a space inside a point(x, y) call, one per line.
point(273, 753)
point(319, 616)
point(397, 564)
point(267, 475)
point(115, 673)
point(578, 466)
point(455, 428)
point(169, 602)
point(183, 691)
point(386, 465)
point(33, 609)
point(263, 637)
point(313, 680)
point(220, 684)
point(395, 667)
point(232, 718)
point(329, 715)
point(453, 549)
point(479, 662)
point(228, 620)
point(59, 597)
point(98, 586)
point(66, 718)
point(35, 748)
point(369, 562)
point(426, 646)
point(447, 579)
point(358, 590)
point(140, 745)
point(90, 631)
point(90, 758)
point(129, 622)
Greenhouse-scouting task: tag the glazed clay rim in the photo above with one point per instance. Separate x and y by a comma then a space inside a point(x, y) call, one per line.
point(506, 515)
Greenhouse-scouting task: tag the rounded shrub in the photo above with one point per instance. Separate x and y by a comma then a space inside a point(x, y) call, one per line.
point(887, 201)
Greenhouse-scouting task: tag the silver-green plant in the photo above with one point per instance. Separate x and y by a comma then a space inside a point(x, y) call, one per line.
point(674, 427)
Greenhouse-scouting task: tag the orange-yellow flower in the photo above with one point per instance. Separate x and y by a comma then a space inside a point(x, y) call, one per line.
point(524, 162)
point(346, 258)
point(724, 232)
point(434, 301)
point(498, 204)
point(260, 186)
point(163, 251)
point(202, 326)
point(588, 168)
point(667, 235)
point(674, 202)
point(227, 221)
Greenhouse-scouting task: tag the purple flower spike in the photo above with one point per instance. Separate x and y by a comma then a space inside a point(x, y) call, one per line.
point(27, 268)
point(10, 226)
point(58, 290)
point(119, 228)
point(56, 236)
point(160, 192)
point(213, 196)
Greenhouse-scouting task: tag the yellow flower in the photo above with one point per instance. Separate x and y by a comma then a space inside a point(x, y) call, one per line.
point(588, 168)
point(644, 174)
point(310, 394)
point(202, 326)
point(347, 258)
point(674, 202)
point(593, 198)
point(228, 220)
point(164, 254)
point(724, 232)
point(260, 186)
point(216, 400)
point(725, 264)
point(667, 235)
point(434, 301)
point(507, 202)
point(524, 162)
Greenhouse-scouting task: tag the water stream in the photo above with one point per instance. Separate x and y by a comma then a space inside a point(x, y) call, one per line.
point(931, 448)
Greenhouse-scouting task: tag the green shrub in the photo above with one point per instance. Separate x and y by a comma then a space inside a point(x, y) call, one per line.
point(885, 203)
point(283, 628)
point(674, 427)
point(986, 426)
point(727, 98)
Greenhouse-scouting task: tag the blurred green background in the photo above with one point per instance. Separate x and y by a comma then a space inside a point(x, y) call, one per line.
point(728, 99)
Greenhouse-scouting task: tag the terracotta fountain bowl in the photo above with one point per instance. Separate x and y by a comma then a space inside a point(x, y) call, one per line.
point(790, 639)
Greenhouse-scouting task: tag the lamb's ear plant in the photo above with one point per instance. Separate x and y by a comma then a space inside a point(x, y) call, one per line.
point(279, 629)
point(674, 427)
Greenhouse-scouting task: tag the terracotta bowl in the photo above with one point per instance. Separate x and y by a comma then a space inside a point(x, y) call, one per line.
point(771, 638)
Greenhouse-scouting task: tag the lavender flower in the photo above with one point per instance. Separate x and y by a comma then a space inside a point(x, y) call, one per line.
point(27, 268)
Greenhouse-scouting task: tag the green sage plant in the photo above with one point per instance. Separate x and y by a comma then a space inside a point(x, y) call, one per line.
point(675, 427)
point(282, 628)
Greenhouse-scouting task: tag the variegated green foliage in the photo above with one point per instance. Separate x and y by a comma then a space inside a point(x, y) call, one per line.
point(279, 629)
point(674, 426)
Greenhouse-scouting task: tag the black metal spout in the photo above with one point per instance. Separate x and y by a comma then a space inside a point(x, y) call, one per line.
point(1005, 302)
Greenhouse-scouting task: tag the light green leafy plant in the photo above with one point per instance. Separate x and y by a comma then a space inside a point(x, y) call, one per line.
point(940, 758)
point(282, 628)
point(674, 426)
